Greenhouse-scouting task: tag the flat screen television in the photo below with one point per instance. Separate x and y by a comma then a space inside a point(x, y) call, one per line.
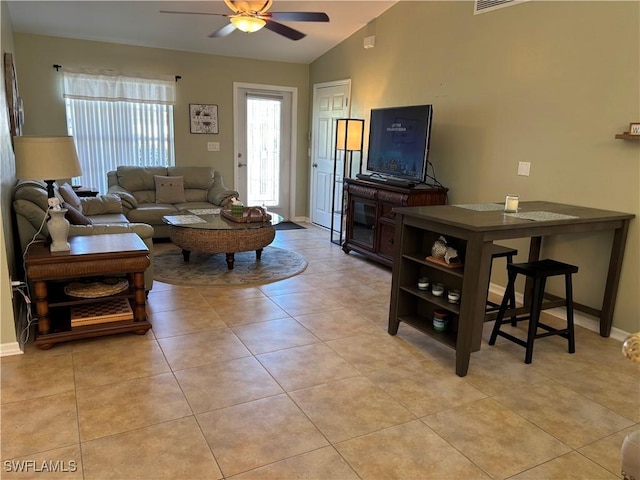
point(399, 142)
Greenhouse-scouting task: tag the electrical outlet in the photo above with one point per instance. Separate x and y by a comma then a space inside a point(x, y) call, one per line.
point(523, 168)
point(213, 146)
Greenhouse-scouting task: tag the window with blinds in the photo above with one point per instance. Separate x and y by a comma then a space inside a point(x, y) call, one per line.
point(118, 120)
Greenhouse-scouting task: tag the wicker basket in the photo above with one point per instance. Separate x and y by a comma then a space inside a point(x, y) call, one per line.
point(103, 288)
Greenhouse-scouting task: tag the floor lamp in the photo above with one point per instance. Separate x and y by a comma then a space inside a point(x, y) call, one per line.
point(49, 158)
point(349, 139)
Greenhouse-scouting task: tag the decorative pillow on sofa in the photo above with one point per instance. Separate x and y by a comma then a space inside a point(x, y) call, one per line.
point(69, 196)
point(74, 216)
point(169, 189)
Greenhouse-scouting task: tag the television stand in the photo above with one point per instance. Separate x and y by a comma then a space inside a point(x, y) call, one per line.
point(371, 223)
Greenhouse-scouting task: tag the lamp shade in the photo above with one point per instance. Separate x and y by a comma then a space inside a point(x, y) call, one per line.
point(45, 158)
point(349, 134)
point(247, 23)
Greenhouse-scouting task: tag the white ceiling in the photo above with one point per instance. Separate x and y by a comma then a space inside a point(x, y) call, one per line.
point(141, 23)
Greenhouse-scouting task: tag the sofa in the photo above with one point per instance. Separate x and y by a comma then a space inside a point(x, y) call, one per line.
point(87, 216)
point(149, 193)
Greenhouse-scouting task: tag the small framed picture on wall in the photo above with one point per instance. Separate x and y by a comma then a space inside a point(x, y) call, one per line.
point(203, 118)
point(634, 128)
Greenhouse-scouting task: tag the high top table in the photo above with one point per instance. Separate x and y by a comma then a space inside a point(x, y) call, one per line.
point(474, 228)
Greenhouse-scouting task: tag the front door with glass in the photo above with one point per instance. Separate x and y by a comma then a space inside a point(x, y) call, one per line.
point(263, 152)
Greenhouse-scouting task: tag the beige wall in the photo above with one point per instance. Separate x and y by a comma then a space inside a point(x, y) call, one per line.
point(205, 79)
point(549, 83)
point(7, 174)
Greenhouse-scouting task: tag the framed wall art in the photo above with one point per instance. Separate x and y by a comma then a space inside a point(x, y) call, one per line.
point(634, 128)
point(14, 102)
point(203, 118)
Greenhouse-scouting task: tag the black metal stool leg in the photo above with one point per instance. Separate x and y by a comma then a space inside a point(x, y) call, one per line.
point(569, 300)
point(512, 297)
point(503, 307)
point(534, 317)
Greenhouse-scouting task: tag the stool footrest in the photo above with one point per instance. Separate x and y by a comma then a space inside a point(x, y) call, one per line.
point(564, 332)
point(517, 340)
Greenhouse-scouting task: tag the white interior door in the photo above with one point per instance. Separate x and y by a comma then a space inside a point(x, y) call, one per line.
point(265, 147)
point(330, 101)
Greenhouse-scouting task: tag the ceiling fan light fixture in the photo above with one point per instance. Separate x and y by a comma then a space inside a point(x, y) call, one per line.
point(247, 23)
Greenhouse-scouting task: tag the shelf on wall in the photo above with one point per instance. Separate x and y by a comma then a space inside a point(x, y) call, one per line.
point(627, 136)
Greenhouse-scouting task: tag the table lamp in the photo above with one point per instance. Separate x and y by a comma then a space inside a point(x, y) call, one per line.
point(48, 159)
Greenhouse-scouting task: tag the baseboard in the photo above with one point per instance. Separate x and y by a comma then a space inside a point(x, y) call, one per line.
point(8, 349)
point(582, 319)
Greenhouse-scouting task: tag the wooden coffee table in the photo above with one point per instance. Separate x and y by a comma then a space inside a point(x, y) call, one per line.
point(212, 233)
point(90, 256)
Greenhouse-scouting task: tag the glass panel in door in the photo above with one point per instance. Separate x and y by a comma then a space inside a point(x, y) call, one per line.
point(263, 151)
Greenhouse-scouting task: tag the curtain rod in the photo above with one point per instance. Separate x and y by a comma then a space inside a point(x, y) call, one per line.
point(58, 67)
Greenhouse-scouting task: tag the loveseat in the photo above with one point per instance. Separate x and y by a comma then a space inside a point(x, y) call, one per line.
point(149, 193)
point(87, 216)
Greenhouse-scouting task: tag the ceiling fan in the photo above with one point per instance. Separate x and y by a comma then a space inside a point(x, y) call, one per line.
point(250, 16)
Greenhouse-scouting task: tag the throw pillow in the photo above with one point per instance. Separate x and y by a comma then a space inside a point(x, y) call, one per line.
point(74, 216)
point(69, 196)
point(169, 189)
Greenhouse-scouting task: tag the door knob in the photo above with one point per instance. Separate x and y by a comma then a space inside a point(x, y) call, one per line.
point(314, 165)
point(240, 164)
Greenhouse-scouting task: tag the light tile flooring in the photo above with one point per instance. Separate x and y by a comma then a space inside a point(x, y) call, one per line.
point(299, 379)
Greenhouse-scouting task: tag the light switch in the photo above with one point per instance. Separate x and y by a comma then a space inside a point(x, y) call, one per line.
point(213, 146)
point(523, 168)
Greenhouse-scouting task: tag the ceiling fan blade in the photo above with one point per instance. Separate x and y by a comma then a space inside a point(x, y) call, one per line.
point(194, 13)
point(299, 16)
point(283, 30)
point(224, 31)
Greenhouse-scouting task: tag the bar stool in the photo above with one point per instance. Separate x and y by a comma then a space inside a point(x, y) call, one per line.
point(499, 251)
point(538, 271)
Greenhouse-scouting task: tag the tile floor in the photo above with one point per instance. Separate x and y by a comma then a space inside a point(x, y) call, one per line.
point(299, 379)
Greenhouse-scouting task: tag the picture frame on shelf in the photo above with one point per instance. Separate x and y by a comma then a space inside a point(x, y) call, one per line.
point(634, 128)
point(203, 118)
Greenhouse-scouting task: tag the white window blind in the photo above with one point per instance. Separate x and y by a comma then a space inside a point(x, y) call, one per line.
point(118, 120)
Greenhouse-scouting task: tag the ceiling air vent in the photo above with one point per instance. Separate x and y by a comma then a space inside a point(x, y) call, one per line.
point(482, 6)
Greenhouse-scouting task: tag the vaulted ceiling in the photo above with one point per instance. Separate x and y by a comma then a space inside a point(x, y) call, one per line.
point(141, 23)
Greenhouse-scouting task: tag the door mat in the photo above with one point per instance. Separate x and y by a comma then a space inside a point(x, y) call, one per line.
point(288, 226)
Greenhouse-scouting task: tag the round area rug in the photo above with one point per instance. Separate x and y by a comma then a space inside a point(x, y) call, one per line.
point(211, 269)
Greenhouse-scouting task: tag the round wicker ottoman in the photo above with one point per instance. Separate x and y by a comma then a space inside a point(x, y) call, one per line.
point(222, 241)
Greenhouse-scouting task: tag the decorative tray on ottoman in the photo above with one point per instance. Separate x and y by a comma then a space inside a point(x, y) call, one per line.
point(249, 215)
